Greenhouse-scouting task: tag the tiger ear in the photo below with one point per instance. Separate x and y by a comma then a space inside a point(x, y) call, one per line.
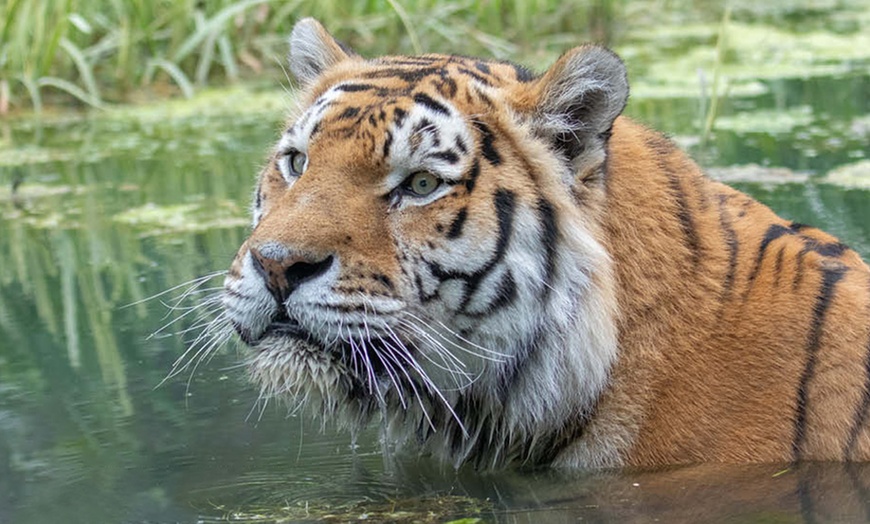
point(574, 104)
point(313, 50)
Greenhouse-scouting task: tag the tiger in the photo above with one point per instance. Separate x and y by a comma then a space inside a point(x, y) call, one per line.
point(500, 269)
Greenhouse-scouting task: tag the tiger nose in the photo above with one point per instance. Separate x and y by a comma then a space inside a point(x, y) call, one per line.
point(283, 272)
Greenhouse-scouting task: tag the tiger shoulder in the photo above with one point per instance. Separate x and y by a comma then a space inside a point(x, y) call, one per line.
point(501, 269)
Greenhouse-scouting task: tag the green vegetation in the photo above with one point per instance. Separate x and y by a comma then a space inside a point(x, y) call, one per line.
point(98, 52)
point(111, 50)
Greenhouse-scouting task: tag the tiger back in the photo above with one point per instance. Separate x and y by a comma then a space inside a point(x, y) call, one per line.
point(502, 269)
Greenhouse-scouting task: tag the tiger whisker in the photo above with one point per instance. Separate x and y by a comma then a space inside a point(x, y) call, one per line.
point(206, 304)
point(213, 335)
point(216, 342)
point(392, 354)
point(431, 385)
point(442, 352)
point(497, 356)
point(193, 285)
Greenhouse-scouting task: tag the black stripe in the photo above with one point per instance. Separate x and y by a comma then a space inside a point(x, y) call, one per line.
point(426, 126)
point(460, 145)
point(700, 185)
point(483, 98)
point(406, 75)
point(549, 240)
point(523, 74)
point(731, 244)
point(447, 155)
point(421, 293)
point(472, 175)
point(409, 60)
point(504, 295)
point(833, 249)
point(482, 67)
point(458, 222)
point(426, 100)
point(353, 88)
point(315, 129)
point(861, 413)
point(472, 74)
point(399, 116)
point(830, 277)
point(797, 226)
point(687, 222)
point(487, 147)
point(777, 268)
point(388, 142)
point(504, 202)
point(773, 232)
point(446, 85)
point(798, 270)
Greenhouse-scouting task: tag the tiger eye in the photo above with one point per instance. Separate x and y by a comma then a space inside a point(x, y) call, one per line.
point(297, 162)
point(423, 183)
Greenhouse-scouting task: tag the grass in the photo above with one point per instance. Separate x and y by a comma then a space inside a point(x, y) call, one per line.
point(95, 52)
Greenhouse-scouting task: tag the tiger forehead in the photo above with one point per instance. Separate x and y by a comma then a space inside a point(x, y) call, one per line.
point(447, 75)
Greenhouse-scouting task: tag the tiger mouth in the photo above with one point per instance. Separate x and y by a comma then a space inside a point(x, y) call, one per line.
point(284, 328)
point(286, 334)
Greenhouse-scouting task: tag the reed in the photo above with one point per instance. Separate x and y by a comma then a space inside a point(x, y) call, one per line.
point(102, 51)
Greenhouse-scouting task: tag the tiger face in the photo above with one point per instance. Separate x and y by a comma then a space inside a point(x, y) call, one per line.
point(418, 254)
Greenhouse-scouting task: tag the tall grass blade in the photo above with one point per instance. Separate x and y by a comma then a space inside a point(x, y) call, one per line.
point(70, 89)
point(48, 54)
point(8, 18)
point(212, 26)
point(174, 72)
point(409, 27)
point(713, 107)
point(84, 68)
point(227, 58)
point(206, 57)
point(33, 91)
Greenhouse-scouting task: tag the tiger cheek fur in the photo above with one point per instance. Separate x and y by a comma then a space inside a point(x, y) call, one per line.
point(504, 270)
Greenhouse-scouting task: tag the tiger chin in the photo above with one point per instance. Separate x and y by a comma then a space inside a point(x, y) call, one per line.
point(499, 268)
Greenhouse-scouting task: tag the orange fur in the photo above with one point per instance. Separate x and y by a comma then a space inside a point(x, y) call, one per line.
point(740, 335)
point(721, 367)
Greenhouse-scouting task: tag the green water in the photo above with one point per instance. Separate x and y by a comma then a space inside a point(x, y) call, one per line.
point(110, 210)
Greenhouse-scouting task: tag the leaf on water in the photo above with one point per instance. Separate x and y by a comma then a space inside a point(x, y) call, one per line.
point(855, 175)
point(756, 173)
point(191, 217)
point(769, 121)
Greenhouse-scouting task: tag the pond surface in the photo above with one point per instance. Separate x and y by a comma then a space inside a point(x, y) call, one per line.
point(99, 213)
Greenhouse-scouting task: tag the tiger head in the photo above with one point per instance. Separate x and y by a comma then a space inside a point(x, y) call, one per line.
point(424, 247)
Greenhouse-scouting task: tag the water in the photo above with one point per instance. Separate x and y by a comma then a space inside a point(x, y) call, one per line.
point(110, 211)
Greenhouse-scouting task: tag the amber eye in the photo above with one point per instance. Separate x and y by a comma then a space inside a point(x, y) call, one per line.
point(421, 183)
point(292, 164)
